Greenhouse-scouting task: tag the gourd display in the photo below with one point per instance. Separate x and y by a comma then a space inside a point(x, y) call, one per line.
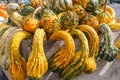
point(69, 20)
point(17, 68)
point(93, 42)
point(61, 59)
point(78, 24)
point(37, 64)
point(107, 51)
point(77, 65)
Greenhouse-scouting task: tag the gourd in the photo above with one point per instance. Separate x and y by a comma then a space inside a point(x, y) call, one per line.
point(88, 5)
point(90, 20)
point(93, 41)
point(107, 50)
point(78, 62)
point(60, 5)
point(92, 6)
point(4, 47)
point(110, 10)
point(102, 2)
point(69, 19)
point(17, 68)
point(104, 17)
point(80, 11)
point(61, 59)
point(13, 14)
point(3, 12)
point(29, 23)
point(83, 3)
point(3, 28)
point(22, 5)
point(3, 6)
point(49, 21)
point(34, 3)
point(117, 44)
point(37, 64)
point(114, 26)
point(26, 10)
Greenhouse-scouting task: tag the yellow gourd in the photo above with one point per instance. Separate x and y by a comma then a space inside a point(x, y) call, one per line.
point(18, 65)
point(37, 63)
point(117, 44)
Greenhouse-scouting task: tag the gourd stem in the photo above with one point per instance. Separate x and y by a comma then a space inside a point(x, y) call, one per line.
point(105, 5)
point(36, 11)
point(47, 4)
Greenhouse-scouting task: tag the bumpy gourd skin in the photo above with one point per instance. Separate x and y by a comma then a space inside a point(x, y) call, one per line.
point(107, 51)
point(69, 19)
point(77, 65)
point(83, 3)
point(37, 64)
point(93, 40)
point(62, 58)
point(17, 67)
point(60, 5)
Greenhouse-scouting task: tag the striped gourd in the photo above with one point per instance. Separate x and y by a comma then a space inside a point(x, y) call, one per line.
point(107, 50)
point(92, 5)
point(93, 41)
point(17, 68)
point(60, 5)
point(62, 57)
point(77, 65)
point(4, 47)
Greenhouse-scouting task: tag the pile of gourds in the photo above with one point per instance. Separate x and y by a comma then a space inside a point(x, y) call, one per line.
point(85, 20)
